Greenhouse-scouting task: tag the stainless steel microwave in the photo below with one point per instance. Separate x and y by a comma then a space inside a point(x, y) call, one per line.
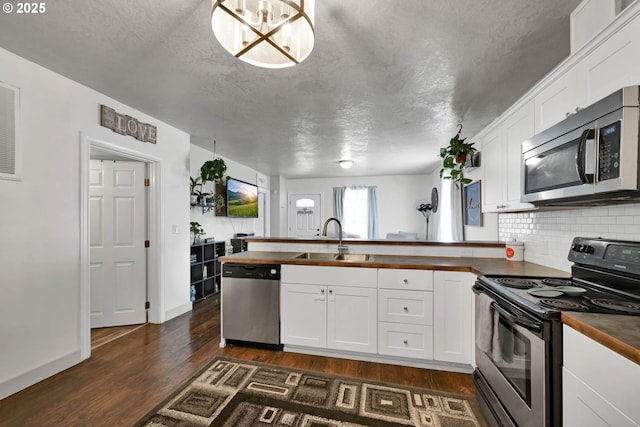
point(591, 157)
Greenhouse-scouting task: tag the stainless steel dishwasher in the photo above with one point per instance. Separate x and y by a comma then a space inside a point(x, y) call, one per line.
point(251, 303)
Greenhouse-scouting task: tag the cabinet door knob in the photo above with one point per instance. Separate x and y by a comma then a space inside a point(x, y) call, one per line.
point(322, 291)
point(406, 342)
point(406, 281)
point(406, 309)
point(330, 291)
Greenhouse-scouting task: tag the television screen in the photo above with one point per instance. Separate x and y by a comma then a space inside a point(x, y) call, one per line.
point(242, 199)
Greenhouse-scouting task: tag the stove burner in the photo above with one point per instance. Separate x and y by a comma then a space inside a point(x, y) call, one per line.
point(617, 305)
point(557, 282)
point(512, 282)
point(564, 305)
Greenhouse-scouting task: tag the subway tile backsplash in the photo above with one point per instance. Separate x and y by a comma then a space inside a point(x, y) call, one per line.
point(547, 235)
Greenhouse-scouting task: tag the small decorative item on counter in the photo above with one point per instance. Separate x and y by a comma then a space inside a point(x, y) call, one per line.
point(193, 293)
point(514, 251)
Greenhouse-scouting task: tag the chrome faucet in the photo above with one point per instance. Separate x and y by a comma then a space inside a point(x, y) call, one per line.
point(341, 248)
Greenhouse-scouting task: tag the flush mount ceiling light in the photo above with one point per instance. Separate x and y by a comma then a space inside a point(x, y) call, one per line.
point(345, 164)
point(265, 33)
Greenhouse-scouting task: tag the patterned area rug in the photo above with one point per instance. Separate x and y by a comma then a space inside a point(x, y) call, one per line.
point(247, 394)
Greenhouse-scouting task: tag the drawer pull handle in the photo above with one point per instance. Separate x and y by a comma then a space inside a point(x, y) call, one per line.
point(406, 342)
point(406, 309)
point(406, 281)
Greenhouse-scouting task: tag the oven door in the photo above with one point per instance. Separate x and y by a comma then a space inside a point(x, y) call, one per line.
point(515, 369)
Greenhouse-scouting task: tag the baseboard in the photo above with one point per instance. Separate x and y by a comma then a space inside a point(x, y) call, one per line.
point(179, 310)
point(29, 378)
point(390, 360)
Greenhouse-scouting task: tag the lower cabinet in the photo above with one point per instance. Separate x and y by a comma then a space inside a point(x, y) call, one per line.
point(303, 315)
point(453, 336)
point(323, 308)
point(600, 387)
point(411, 314)
point(405, 313)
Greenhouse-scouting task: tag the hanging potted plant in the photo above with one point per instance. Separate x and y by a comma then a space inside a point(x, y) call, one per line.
point(213, 171)
point(454, 159)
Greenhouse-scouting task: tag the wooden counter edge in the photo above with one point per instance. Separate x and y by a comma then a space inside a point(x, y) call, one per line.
point(614, 344)
point(468, 243)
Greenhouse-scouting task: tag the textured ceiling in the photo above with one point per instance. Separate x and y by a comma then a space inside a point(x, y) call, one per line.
point(386, 84)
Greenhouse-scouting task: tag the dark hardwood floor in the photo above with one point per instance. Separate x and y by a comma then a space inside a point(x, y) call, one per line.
point(127, 377)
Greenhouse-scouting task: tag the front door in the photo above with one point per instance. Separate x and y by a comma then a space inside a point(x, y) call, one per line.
point(117, 213)
point(305, 212)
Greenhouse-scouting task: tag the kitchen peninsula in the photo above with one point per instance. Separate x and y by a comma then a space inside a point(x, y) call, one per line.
point(398, 302)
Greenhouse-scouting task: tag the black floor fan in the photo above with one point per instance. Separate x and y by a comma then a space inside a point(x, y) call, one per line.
point(428, 208)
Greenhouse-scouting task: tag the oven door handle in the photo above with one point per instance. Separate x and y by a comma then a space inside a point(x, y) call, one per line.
point(517, 320)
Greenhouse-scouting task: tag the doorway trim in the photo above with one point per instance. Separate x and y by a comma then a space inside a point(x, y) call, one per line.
point(155, 285)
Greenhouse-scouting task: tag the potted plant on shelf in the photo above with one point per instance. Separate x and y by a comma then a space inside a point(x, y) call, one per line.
point(195, 194)
point(197, 231)
point(454, 159)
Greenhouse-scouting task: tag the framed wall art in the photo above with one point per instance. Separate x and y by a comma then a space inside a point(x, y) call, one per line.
point(472, 209)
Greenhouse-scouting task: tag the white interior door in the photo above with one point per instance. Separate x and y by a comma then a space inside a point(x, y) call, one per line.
point(117, 225)
point(305, 212)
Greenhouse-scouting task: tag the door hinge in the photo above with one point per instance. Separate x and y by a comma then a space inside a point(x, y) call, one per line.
point(147, 305)
point(147, 244)
point(147, 182)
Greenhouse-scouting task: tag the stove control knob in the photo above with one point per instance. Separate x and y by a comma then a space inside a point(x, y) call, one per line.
point(576, 248)
point(590, 249)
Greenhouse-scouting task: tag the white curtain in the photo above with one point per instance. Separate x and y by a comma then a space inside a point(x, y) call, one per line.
point(450, 210)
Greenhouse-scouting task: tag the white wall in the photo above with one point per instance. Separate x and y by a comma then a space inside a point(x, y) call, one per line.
point(398, 197)
point(40, 221)
point(220, 227)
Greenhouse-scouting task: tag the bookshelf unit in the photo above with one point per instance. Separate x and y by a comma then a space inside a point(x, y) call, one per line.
point(205, 268)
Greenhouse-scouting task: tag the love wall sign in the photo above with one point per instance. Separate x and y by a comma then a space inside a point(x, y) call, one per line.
point(127, 125)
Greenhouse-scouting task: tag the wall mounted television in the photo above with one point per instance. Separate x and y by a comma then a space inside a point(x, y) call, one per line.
point(242, 199)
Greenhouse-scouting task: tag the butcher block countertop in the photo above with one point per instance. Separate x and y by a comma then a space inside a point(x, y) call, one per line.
point(477, 266)
point(616, 332)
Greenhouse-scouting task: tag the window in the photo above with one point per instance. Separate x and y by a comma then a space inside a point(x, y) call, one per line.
point(357, 210)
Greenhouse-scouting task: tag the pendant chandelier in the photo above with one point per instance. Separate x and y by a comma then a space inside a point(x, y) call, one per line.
point(265, 33)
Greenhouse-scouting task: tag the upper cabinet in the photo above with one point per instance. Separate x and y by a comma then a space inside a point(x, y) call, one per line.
point(560, 99)
point(603, 65)
point(501, 152)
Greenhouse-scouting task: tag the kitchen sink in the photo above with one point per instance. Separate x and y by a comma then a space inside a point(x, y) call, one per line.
point(323, 256)
point(319, 256)
point(352, 257)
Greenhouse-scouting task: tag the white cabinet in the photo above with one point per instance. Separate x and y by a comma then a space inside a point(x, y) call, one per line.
point(561, 98)
point(351, 319)
point(405, 313)
point(501, 153)
point(303, 315)
point(600, 387)
point(453, 317)
point(613, 64)
point(329, 307)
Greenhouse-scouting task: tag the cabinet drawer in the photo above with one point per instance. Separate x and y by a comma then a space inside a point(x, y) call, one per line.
point(396, 339)
point(416, 280)
point(415, 307)
point(325, 275)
